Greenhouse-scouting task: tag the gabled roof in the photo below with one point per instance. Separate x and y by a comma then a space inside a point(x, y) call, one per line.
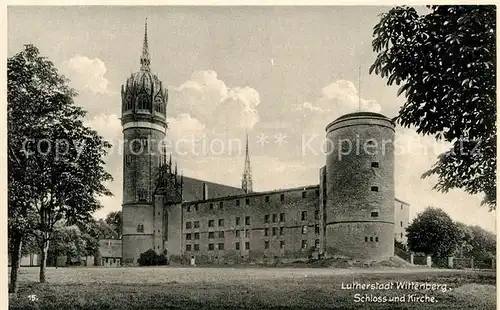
point(193, 189)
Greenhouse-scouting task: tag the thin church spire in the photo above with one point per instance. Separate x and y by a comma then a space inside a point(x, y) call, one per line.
point(246, 182)
point(145, 60)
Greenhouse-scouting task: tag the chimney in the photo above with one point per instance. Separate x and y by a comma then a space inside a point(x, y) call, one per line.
point(205, 191)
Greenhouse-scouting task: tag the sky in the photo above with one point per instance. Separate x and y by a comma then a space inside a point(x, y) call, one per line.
point(278, 74)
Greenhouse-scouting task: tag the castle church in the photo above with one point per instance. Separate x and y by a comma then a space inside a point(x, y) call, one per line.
point(352, 211)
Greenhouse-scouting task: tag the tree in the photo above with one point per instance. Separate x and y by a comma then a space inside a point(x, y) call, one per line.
point(56, 163)
point(445, 63)
point(434, 233)
point(465, 237)
point(114, 219)
point(483, 244)
point(92, 232)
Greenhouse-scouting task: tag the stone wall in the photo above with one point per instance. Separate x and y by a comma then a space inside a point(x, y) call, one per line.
point(235, 223)
point(360, 186)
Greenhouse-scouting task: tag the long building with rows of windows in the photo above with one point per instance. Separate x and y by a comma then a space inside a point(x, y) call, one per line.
point(352, 211)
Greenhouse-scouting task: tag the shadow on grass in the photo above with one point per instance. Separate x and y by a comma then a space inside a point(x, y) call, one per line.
point(314, 292)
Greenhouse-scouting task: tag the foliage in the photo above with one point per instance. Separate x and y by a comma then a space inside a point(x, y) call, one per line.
point(114, 219)
point(483, 243)
point(56, 167)
point(150, 258)
point(465, 236)
point(400, 245)
point(445, 63)
point(434, 233)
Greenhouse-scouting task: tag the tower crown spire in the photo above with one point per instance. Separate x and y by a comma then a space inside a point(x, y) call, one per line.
point(246, 181)
point(145, 60)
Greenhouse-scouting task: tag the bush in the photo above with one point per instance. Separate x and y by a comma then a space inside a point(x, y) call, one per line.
point(150, 258)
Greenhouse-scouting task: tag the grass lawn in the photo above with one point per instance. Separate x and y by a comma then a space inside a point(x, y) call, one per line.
point(249, 288)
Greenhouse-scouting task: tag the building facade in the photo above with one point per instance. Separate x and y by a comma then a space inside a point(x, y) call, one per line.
point(352, 212)
point(402, 220)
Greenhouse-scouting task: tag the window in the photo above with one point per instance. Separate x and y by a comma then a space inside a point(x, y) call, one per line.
point(196, 208)
point(237, 234)
point(304, 215)
point(374, 164)
point(247, 201)
point(221, 246)
point(304, 244)
point(316, 215)
point(237, 202)
point(237, 220)
point(374, 214)
point(266, 245)
point(221, 222)
point(247, 220)
point(376, 239)
point(374, 188)
point(275, 218)
point(266, 218)
point(304, 230)
point(366, 239)
point(128, 159)
point(275, 231)
point(188, 236)
point(282, 217)
point(211, 206)
point(188, 208)
point(401, 223)
point(221, 234)
point(282, 231)
point(247, 233)
point(211, 235)
point(317, 192)
point(401, 207)
point(210, 223)
point(237, 245)
point(282, 244)
point(210, 246)
point(196, 224)
point(196, 236)
point(247, 245)
point(267, 198)
point(371, 239)
point(282, 197)
point(196, 247)
point(316, 229)
point(188, 225)
point(266, 231)
point(221, 204)
point(316, 243)
point(140, 228)
point(188, 247)
point(158, 213)
point(304, 194)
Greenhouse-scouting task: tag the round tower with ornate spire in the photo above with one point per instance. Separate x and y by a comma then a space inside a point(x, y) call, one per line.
point(144, 106)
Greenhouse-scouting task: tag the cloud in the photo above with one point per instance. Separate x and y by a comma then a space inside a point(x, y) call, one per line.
point(87, 74)
point(209, 100)
point(108, 126)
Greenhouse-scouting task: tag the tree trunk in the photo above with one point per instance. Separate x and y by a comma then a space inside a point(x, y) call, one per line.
point(15, 262)
point(43, 263)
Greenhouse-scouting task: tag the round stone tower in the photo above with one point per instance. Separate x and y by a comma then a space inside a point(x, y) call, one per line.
point(144, 104)
point(360, 186)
